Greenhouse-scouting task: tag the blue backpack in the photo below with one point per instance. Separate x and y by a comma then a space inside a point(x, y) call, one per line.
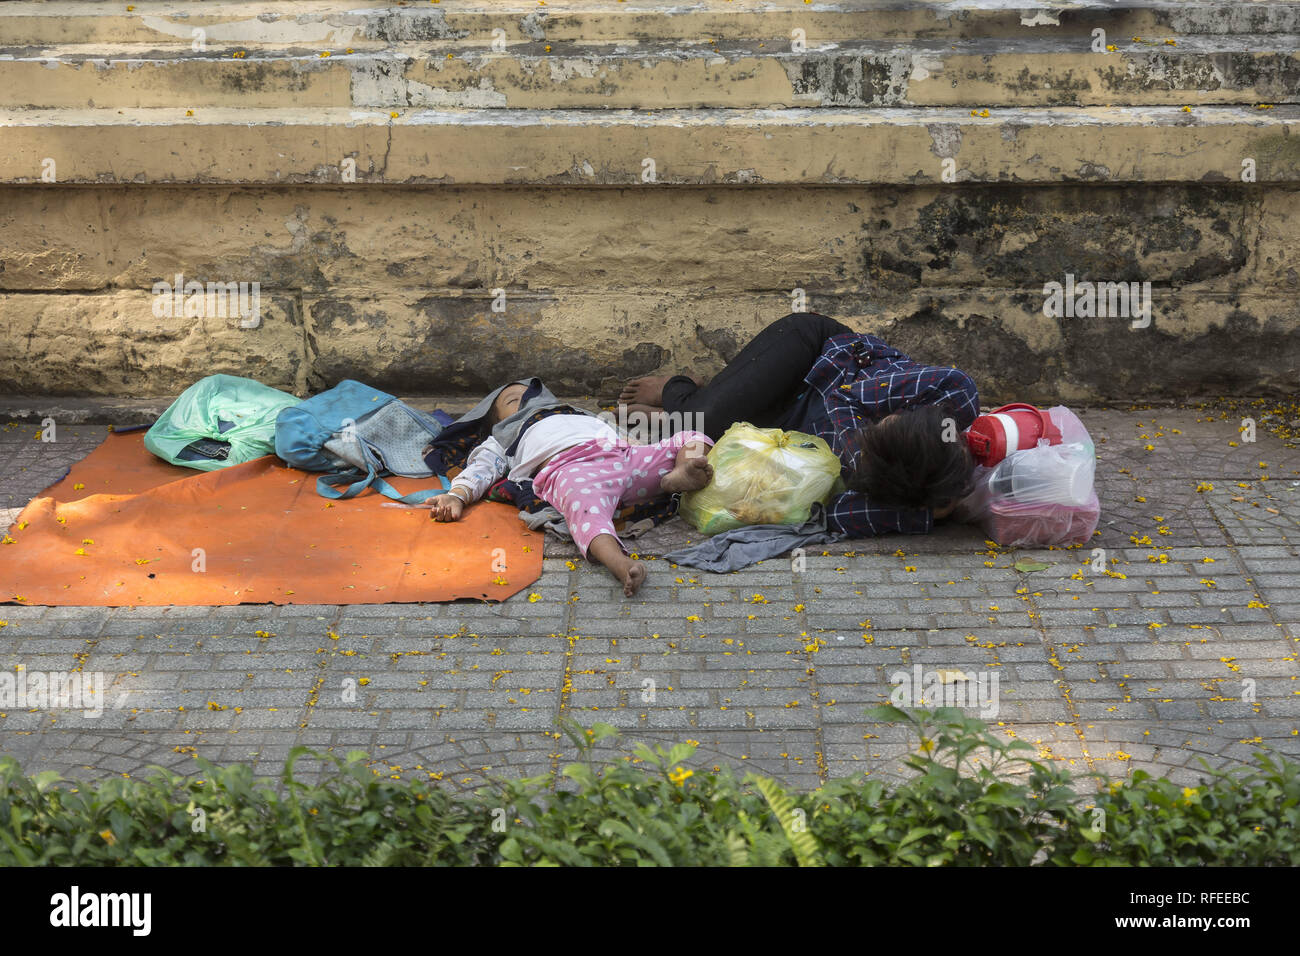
point(356, 434)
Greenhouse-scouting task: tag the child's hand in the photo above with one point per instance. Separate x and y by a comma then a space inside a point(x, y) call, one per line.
point(447, 507)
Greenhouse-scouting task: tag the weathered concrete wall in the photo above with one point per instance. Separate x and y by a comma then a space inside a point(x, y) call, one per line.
point(436, 199)
point(395, 286)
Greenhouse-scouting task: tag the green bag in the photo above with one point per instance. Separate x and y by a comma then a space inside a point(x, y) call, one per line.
point(762, 476)
point(219, 421)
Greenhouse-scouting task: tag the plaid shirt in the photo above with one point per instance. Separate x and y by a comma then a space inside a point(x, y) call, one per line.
point(860, 379)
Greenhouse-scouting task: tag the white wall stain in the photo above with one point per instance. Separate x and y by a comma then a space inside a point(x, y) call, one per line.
point(923, 66)
point(945, 139)
point(384, 84)
point(1040, 18)
point(563, 70)
point(483, 96)
point(256, 30)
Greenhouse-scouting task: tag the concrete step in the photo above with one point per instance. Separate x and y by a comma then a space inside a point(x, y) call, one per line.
point(331, 24)
point(624, 147)
point(1038, 70)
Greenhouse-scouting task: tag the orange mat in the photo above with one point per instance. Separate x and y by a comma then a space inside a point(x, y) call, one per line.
point(126, 528)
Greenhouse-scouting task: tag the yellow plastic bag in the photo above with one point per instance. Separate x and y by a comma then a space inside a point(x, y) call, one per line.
point(762, 476)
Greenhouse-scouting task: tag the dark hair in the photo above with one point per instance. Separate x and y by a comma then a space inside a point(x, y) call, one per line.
point(903, 461)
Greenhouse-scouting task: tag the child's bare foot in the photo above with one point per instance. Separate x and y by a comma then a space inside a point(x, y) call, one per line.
point(690, 474)
point(606, 549)
point(633, 576)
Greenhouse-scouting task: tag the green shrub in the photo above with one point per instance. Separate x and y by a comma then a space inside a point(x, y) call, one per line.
point(228, 818)
point(965, 806)
point(1248, 816)
point(973, 799)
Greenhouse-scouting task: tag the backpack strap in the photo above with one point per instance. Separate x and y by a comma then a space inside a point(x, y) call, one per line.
point(358, 482)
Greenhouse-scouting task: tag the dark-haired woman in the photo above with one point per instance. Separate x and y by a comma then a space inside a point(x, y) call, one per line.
point(895, 424)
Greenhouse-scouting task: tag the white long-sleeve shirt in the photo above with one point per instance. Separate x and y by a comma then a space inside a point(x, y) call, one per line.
point(488, 462)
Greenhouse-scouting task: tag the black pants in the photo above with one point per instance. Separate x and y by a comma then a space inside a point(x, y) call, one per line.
point(762, 384)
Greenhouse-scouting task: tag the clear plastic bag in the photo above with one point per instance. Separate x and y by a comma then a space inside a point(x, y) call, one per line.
point(1038, 496)
point(219, 421)
point(1049, 474)
point(762, 476)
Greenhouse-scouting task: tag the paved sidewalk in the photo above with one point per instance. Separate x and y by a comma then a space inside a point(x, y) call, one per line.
point(1184, 647)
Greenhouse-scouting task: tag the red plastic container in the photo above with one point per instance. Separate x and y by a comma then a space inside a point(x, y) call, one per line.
point(1009, 428)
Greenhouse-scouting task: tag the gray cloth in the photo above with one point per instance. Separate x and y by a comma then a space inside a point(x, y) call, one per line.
point(550, 519)
point(547, 519)
point(733, 550)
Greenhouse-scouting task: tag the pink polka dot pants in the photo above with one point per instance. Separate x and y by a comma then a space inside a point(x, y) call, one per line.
point(588, 483)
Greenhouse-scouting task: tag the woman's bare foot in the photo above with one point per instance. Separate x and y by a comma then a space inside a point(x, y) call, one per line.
point(646, 390)
point(690, 474)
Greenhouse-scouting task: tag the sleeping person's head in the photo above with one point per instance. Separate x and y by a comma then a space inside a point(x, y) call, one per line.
point(903, 460)
point(506, 404)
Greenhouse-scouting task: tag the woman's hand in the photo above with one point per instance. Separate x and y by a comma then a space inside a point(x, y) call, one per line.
point(448, 507)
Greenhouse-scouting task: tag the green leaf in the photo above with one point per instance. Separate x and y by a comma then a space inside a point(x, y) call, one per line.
point(581, 774)
point(24, 858)
point(45, 779)
point(801, 841)
point(621, 829)
point(680, 752)
point(917, 833)
point(887, 713)
point(1028, 566)
point(737, 850)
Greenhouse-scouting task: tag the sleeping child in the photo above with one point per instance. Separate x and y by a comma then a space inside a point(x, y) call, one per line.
point(578, 464)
